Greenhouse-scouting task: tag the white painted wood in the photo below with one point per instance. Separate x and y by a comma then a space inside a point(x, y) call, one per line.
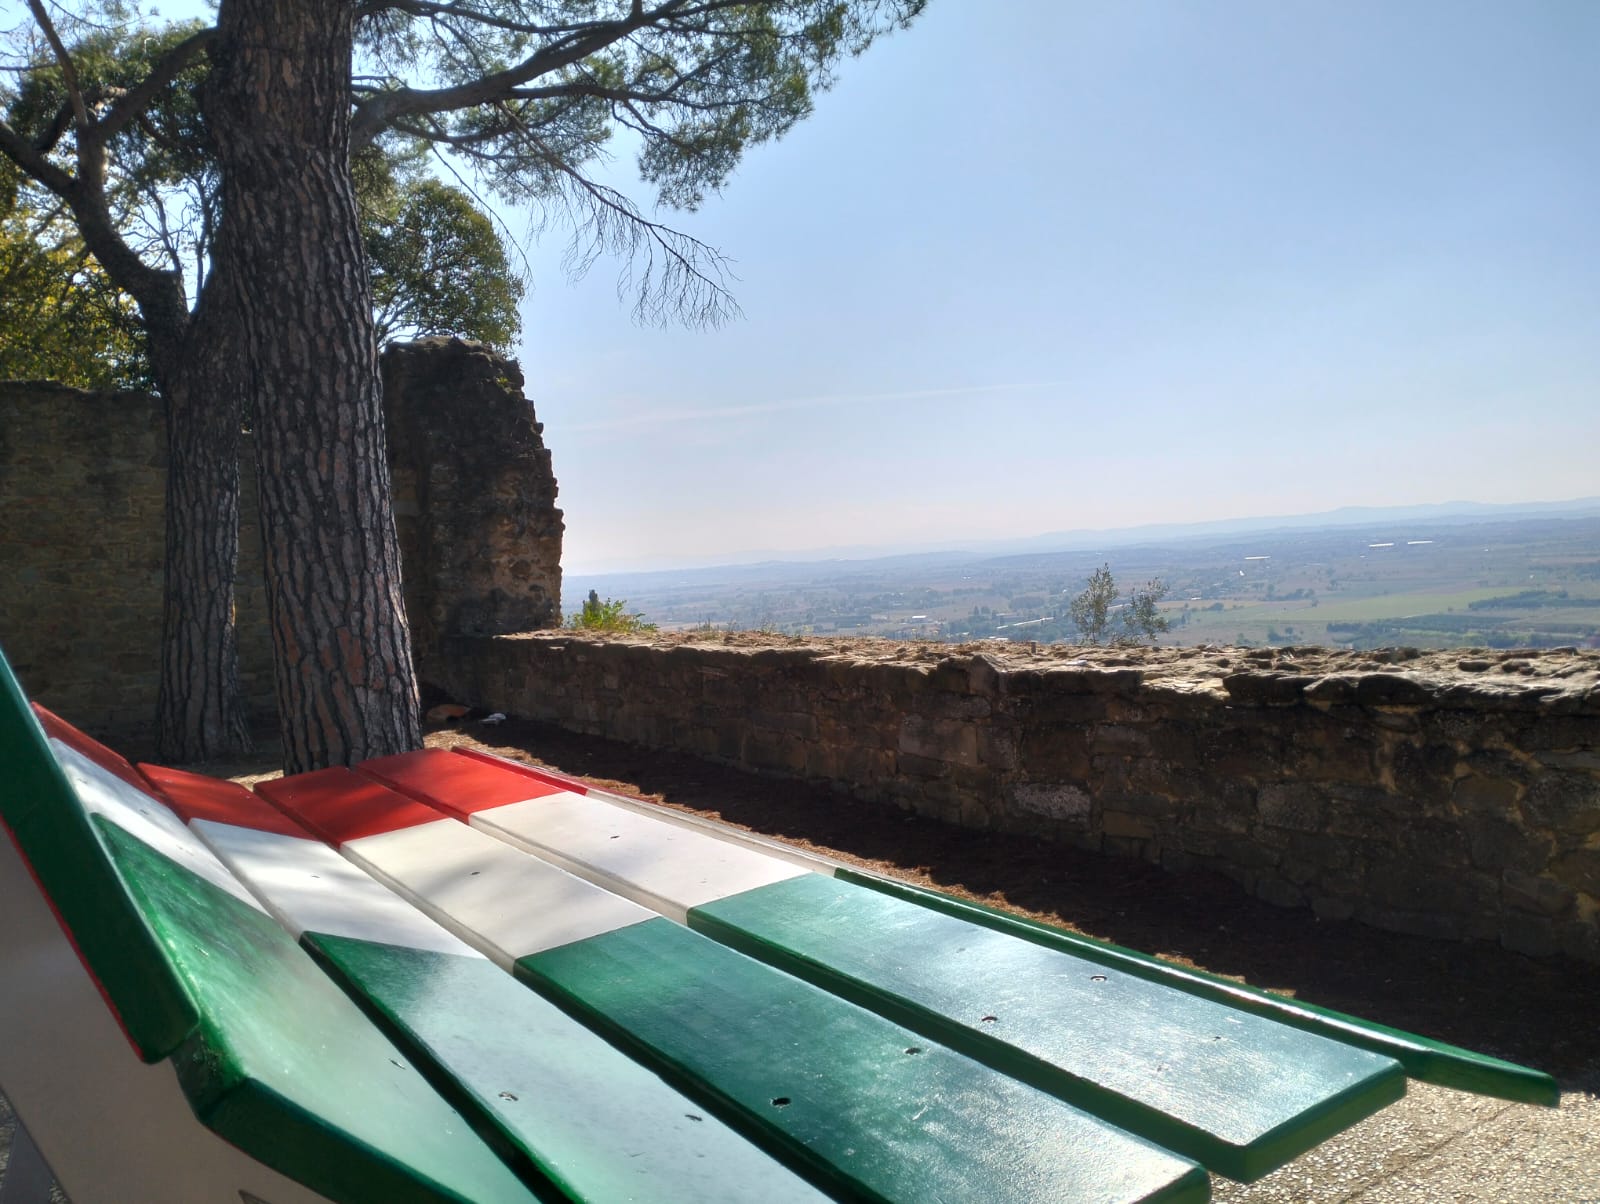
point(145, 818)
point(114, 1130)
point(649, 1130)
point(817, 862)
point(308, 887)
point(662, 866)
point(498, 899)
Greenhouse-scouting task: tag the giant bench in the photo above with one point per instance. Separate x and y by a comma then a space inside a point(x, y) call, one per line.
point(443, 976)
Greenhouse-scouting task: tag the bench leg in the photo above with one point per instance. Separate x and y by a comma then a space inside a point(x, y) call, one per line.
point(27, 1179)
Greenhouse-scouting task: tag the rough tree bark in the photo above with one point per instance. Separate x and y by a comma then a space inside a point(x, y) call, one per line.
point(199, 710)
point(290, 252)
point(200, 713)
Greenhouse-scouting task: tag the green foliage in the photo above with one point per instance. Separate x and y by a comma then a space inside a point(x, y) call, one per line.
point(607, 616)
point(693, 86)
point(61, 319)
point(438, 265)
point(1091, 609)
point(161, 186)
point(1140, 618)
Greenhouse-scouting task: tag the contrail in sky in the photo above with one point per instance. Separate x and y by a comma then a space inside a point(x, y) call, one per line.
point(660, 417)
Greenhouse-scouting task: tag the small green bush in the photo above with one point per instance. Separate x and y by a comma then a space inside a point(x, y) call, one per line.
point(606, 616)
point(1140, 619)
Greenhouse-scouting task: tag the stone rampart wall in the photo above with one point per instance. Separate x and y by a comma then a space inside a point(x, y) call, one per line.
point(82, 481)
point(1454, 795)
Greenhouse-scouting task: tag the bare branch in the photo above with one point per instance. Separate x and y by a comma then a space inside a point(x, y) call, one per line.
point(33, 162)
point(690, 282)
point(430, 8)
point(378, 113)
point(69, 70)
point(583, 88)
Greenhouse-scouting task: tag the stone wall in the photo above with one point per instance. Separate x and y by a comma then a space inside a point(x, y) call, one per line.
point(474, 495)
point(1449, 794)
point(81, 537)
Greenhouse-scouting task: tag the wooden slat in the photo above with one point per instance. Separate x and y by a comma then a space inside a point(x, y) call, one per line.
point(503, 902)
point(103, 1118)
point(871, 1108)
point(804, 858)
point(1240, 1094)
point(665, 867)
point(1423, 1058)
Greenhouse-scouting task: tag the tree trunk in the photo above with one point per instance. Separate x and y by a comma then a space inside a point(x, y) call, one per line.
point(200, 715)
point(199, 712)
point(289, 250)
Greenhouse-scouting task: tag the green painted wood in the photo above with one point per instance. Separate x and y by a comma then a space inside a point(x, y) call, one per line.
point(868, 1108)
point(285, 1067)
point(1424, 1059)
point(598, 1124)
point(1239, 1094)
point(55, 837)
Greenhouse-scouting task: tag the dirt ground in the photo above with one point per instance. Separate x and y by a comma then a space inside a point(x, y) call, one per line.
point(1540, 1013)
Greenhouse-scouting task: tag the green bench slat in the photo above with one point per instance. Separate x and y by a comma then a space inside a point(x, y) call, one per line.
point(50, 829)
point(1239, 1094)
point(871, 1108)
point(1424, 1059)
point(604, 1127)
point(285, 1067)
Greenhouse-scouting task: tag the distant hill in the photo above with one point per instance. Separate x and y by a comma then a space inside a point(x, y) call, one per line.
point(865, 559)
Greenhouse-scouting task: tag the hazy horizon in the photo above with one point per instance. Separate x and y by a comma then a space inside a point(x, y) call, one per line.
point(1063, 540)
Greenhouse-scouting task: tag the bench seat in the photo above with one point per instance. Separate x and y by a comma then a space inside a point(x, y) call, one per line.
point(443, 976)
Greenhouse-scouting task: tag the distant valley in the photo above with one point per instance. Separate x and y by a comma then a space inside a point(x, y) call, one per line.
point(1428, 577)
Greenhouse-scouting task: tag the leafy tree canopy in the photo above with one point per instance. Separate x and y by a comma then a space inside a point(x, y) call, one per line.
point(61, 319)
point(533, 93)
point(438, 263)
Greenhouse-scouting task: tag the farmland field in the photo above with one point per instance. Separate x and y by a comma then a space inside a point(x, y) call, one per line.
point(1514, 582)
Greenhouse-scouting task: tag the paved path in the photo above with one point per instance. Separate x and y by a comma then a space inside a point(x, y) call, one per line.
point(1434, 1147)
point(1438, 1146)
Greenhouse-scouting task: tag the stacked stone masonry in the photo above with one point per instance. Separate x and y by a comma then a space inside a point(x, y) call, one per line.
point(1452, 795)
point(82, 480)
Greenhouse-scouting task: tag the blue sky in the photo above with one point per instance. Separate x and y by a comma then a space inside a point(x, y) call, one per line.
point(1042, 264)
point(1047, 264)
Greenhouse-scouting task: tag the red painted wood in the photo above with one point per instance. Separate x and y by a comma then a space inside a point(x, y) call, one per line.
point(339, 805)
point(112, 762)
point(456, 785)
point(193, 796)
point(559, 780)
